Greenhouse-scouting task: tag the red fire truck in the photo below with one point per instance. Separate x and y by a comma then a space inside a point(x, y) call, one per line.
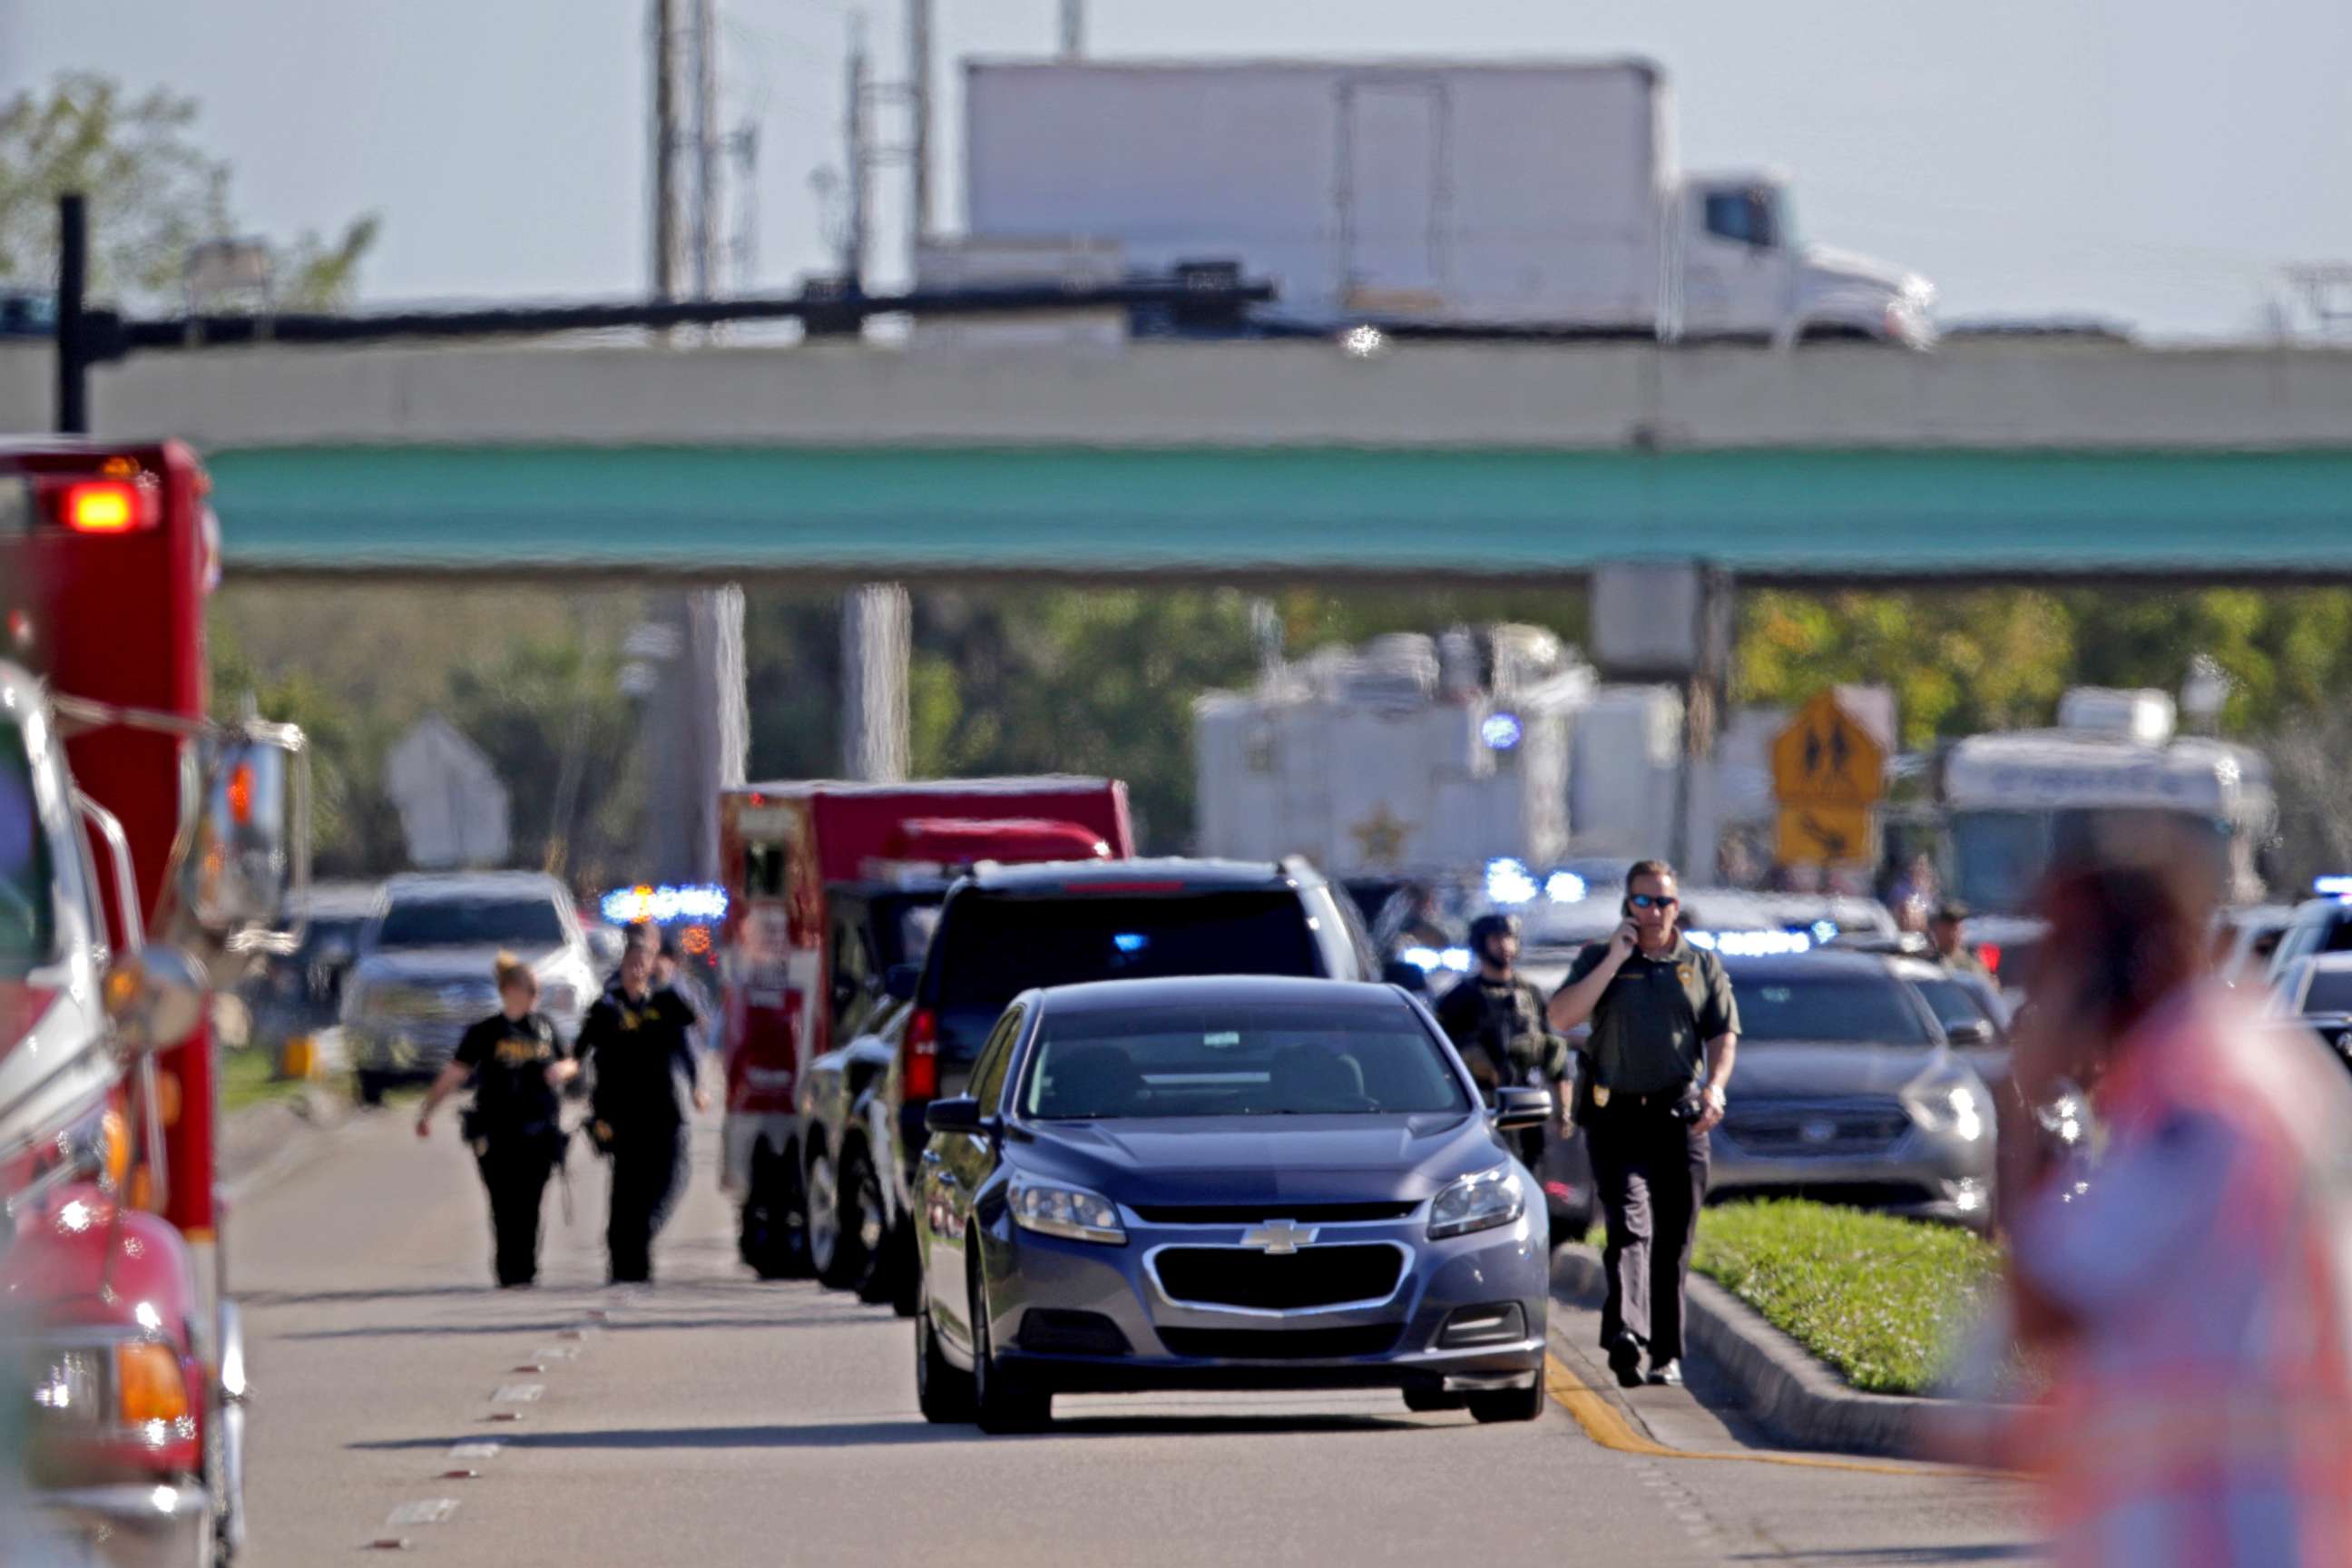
point(826, 887)
point(144, 851)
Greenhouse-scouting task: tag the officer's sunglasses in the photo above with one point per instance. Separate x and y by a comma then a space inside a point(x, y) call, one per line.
point(1654, 900)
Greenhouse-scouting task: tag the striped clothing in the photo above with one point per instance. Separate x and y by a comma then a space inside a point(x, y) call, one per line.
point(2203, 1415)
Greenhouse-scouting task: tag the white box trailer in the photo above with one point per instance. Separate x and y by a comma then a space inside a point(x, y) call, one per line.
point(1414, 191)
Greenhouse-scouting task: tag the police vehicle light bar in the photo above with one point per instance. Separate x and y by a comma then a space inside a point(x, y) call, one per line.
point(665, 905)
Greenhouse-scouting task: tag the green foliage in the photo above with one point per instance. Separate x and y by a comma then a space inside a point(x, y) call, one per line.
point(153, 194)
point(1882, 1300)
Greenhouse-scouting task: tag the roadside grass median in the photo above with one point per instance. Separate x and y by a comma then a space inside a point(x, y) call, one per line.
point(1882, 1300)
point(247, 1076)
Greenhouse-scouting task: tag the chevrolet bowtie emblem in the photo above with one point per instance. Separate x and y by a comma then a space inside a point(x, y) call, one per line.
point(1280, 1237)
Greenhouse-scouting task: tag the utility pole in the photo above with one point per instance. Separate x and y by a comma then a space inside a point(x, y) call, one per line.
point(706, 150)
point(860, 163)
point(919, 125)
point(876, 634)
point(73, 286)
point(665, 150)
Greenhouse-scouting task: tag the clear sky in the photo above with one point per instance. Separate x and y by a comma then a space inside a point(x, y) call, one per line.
point(2153, 161)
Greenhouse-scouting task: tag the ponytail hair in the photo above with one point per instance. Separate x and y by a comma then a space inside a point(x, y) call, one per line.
point(512, 971)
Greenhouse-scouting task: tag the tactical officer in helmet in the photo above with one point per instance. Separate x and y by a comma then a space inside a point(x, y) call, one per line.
point(1497, 1020)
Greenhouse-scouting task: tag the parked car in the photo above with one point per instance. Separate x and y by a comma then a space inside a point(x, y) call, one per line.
point(1222, 1183)
point(2315, 991)
point(2317, 925)
point(1846, 1090)
point(301, 992)
point(1006, 929)
point(2244, 939)
point(423, 973)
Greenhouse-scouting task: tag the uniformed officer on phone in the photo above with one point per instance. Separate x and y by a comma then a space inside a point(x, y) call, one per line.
point(635, 1040)
point(1496, 1019)
point(1665, 1030)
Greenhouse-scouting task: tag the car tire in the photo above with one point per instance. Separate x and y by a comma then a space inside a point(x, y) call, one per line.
point(774, 1237)
point(368, 1088)
point(1425, 1401)
point(1509, 1404)
point(1003, 1403)
point(905, 1270)
point(942, 1391)
point(861, 1255)
point(821, 1217)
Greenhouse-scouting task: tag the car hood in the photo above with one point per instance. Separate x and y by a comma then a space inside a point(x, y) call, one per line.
point(1787, 1069)
point(433, 964)
point(1263, 1159)
point(1830, 263)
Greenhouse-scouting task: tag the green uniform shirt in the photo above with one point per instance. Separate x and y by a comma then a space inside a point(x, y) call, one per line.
point(1651, 1026)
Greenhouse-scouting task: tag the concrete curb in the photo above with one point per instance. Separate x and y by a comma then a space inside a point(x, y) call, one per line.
point(1799, 1400)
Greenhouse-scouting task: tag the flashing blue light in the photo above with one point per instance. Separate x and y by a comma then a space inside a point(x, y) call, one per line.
point(1507, 882)
point(1421, 958)
point(1824, 930)
point(1131, 941)
point(1752, 943)
point(1501, 731)
point(700, 903)
point(1565, 887)
point(1456, 959)
point(2332, 887)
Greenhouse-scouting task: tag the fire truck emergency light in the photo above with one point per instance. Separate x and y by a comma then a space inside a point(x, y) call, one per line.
point(105, 506)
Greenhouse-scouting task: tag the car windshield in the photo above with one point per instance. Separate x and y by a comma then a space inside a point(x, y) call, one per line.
point(1263, 1059)
point(995, 947)
point(27, 911)
point(1843, 1011)
point(1953, 1003)
point(2330, 991)
point(471, 923)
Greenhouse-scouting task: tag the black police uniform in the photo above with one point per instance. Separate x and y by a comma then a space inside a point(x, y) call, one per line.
point(1499, 1027)
point(514, 1129)
point(643, 1063)
point(1646, 1058)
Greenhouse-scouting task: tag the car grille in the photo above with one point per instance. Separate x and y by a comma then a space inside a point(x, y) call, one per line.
point(1280, 1344)
point(1807, 1127)
point(1257, 1213)
point(1285, 1282)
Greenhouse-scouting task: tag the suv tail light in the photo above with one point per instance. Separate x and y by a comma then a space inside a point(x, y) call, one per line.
point(923, 1056)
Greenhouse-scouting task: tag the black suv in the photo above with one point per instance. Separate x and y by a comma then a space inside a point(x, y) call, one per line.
point(1005, 929)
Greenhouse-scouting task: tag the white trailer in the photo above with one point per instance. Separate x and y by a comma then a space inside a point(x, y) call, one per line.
point(1433, 193)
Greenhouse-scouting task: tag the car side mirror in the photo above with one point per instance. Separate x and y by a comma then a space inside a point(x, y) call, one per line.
point(1517, 1106)
point(250, 851)
point(903, 981)
point(1969, 1034)
point(961, 1114)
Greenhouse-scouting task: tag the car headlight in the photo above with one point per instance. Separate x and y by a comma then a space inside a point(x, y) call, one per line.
point(1072, 1213)
point(1482, 1201)
point(1950, 1102)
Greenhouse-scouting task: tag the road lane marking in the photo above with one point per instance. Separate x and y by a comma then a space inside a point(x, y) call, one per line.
point(518, 1394)
point(1606, 1424)
point(474, 1450)
point(424, 1510)
point(555, 1353)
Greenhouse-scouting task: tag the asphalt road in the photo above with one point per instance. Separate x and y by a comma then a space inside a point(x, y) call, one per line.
point(711, 1420)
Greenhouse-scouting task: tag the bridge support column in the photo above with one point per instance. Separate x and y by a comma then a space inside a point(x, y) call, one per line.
point(1671, 621)
point(699, 727)
point(877, 641)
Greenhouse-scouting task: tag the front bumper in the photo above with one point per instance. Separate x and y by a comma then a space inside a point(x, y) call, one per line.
point(124, 1525)
point(1493, 1270)
point(1919, 1175)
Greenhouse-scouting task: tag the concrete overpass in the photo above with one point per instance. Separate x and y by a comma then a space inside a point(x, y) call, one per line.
point(1239, 458)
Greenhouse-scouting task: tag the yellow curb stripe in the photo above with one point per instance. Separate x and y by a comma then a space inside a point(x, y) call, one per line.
point(1606, 1424)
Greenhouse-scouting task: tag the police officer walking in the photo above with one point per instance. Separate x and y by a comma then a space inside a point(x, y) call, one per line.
point(635, 1039)
point(517, 1063)
point(1665, 1030)
point(1496, 1019)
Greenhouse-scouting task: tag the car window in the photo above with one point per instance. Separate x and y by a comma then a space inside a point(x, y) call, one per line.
point(1263, 1059)
point(2335, 934)
point(988, 1078)
point(490, 922)
point(1954, 1003)
point(1841, 1011)
point(995, 946)
point(27, 911)
point(2330, 991)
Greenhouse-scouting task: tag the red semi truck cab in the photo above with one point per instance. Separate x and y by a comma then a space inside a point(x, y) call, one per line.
point(144, 849)
point(789, 968)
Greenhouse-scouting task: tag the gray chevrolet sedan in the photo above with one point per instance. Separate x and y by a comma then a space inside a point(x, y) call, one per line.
point(1226, 1182)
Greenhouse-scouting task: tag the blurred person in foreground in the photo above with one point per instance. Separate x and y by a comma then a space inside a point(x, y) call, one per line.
point(2187, 1298)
